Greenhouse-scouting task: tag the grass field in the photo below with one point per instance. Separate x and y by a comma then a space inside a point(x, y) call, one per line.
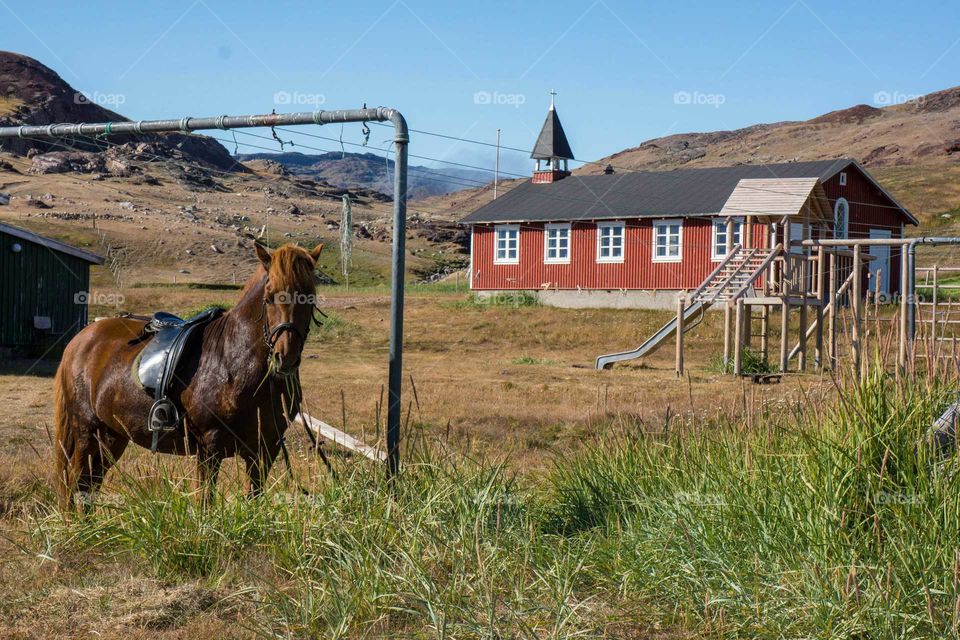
point(540, 498)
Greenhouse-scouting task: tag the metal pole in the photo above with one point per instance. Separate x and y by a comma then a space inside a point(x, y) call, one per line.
point(912, 280)
point(496, 168)
point(379, 114)
point(395, 381)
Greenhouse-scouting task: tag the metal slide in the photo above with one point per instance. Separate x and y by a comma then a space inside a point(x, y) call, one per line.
point(604, 362)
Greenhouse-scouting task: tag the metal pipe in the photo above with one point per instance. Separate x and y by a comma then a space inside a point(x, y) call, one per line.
point(395, 376)
point(379, 114)
point(912, 290)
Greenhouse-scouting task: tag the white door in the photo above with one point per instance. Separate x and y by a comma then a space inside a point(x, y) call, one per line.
point(880, 265)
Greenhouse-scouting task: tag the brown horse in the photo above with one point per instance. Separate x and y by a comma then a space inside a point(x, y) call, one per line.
point(225, 387)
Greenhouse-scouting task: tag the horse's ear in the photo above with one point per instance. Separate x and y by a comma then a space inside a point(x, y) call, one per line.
point(263, 254)
point(315, 254)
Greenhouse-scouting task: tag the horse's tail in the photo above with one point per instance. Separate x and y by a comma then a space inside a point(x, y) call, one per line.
point(62, 438)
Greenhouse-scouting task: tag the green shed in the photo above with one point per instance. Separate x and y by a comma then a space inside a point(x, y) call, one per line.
point(44, 292)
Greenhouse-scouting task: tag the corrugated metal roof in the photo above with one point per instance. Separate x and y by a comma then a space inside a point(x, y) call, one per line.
point(681, 192)
point(552, 141)
point(50, 243)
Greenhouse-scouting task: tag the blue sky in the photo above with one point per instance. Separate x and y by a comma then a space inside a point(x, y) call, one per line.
point(624, 71)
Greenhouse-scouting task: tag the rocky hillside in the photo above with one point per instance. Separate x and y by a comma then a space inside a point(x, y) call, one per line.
point(373, 172)
point(34, 94)
point(925, 130)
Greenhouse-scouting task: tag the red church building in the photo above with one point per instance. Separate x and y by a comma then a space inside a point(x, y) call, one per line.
point(636, 239)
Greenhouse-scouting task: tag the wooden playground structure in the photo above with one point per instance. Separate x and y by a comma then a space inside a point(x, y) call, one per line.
point(827, 282)
point(801, 268)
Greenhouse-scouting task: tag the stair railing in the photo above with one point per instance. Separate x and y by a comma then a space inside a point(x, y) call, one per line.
point(759, 270)
point(713, 274)
point(733, 275)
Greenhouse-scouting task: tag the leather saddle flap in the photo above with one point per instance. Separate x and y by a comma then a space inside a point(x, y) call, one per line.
point(159, 359)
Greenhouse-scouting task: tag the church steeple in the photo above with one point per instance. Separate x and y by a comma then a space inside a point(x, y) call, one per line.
point(552, 151)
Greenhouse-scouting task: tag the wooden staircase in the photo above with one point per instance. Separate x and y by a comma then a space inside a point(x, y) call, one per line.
point(734, 277)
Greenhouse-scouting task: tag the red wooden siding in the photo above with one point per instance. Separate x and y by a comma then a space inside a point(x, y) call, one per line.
point(637, 271)
point(869, 208)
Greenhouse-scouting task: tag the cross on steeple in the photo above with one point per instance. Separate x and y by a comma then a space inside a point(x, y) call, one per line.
point(553, 92)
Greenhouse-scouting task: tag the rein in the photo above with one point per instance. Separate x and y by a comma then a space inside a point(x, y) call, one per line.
point(290, 379)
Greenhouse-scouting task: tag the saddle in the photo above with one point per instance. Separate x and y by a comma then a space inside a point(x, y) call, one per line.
point(169, 337)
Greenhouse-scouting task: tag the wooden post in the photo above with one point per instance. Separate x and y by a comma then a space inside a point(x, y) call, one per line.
point(821, 302)
point(764, 328)
point(747, 321)
point(746, 233)
point(787, 267)
point(680, 307)
point(729, 234)
point(738, 342)
point(784, 333)
point(857, 304)
point(727, 320)
point(802, 354)
point(834, 305)
point(904, 302)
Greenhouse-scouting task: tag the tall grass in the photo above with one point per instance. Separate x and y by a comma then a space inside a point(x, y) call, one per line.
point(836, 524)
point(831, 522)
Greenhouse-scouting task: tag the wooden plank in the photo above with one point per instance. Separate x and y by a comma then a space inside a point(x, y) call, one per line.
point(334, 435)
point(738, 340)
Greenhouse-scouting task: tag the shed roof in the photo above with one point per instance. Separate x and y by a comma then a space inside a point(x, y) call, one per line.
point(50, 243)
point(681, 192)
point(776, 198)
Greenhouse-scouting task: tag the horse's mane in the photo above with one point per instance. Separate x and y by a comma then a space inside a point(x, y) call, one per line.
point(291, 269)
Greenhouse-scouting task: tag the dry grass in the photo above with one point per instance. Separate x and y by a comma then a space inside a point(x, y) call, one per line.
point(510, 383)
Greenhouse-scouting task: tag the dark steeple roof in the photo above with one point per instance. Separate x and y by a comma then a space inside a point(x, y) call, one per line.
point(552, 142)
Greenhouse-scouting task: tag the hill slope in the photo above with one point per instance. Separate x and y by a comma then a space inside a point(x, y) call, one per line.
point(923, 131)
point(34, 94)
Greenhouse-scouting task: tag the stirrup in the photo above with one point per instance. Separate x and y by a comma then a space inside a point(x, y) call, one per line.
point(163, 416)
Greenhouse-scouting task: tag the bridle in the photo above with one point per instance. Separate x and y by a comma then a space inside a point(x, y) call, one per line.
point(272, 334)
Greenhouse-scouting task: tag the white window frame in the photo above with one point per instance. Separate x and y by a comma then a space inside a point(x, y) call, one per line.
point(843, 233)
point(496, 244)
point(667, 223)
point(556, 226)
point(720, 226)
point(843, 178)
point(622, 226)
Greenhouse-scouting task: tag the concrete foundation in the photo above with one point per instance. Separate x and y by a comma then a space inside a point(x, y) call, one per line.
point(597, 298)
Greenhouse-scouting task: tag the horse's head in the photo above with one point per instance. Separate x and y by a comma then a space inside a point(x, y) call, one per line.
point(289, 299)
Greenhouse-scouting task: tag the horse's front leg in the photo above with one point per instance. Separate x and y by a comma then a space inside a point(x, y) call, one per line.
point(258, 468)
point(208, 467)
